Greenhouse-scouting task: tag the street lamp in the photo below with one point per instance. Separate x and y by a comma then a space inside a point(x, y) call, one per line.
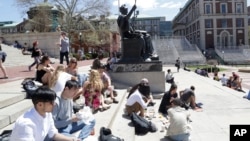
point(80, 39)
point(222, 55)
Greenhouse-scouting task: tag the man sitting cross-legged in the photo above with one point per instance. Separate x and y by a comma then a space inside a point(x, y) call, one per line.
point(65, 121)
point(37, 123)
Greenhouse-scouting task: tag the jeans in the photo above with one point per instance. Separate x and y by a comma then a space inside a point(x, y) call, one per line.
point(62, 54)
point(36, 61)
point(76, 126)
point(82, 77)
point(180, 137)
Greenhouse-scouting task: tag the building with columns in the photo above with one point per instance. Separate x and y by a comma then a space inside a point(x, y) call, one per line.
point(213, 24)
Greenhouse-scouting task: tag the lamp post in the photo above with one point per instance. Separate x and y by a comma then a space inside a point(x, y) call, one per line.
point(80, 39)
point(222, 56)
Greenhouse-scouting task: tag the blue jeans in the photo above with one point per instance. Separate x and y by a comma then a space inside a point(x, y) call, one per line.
point(180, 137)
point(82, 77)
point(77, 126)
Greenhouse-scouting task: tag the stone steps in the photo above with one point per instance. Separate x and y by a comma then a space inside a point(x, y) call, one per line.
point(15, 56)
point(12, 103)
point(9, 114)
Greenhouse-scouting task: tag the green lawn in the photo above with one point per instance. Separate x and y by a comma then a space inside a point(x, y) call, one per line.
point(193, 67)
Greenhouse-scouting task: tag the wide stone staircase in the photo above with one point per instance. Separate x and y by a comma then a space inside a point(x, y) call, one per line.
point(13, 102)
point(170, 48)
point(222, 107)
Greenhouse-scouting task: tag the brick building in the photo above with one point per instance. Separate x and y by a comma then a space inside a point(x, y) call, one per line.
point(213, 23)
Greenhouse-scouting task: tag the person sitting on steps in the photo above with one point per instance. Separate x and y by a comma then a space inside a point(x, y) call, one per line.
point(144, 81)
point(169, 77)
point(107, 84)
point(44, 70)
point(188, 98)
point(137, 102)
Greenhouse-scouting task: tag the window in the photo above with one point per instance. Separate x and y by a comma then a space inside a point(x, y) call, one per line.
point(148, 22)
point(223, 8)
point(239, 22)
point(224, 23)
point(208, 9)
point(208, 23)
point(239, 8)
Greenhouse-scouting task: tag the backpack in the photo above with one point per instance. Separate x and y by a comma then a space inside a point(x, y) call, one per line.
point(142, 126)
point(106, 135)
point(4, 55)
point(29, 86)
point(5, 136)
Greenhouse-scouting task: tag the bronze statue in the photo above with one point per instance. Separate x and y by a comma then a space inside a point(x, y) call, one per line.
point(127, 32)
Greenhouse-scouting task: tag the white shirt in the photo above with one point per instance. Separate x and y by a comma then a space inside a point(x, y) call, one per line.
point(223, 80)
point(60, 83)
point(136, 97)
point(169, 76)
point(91, 138)
point(31, 126)
point(178, 121)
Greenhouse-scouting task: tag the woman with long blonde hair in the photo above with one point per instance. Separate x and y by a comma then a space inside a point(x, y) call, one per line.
point(59, 79)
point(92, 92)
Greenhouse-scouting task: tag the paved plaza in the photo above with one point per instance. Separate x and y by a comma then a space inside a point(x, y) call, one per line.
point(222, 106)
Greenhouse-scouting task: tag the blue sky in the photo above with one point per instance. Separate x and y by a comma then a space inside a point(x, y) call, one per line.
point(167, 8)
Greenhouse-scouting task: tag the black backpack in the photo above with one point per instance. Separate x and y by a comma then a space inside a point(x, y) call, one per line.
point(29, 86)
point(142, 126)
point(4, 55)
point(106, 135)
point(5, 136)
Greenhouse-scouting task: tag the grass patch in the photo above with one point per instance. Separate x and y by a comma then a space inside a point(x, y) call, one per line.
point(209, 68)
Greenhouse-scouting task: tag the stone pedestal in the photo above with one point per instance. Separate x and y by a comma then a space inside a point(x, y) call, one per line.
point(138, 67)
point(131, 68)
point(125, 75)
point(131, 50)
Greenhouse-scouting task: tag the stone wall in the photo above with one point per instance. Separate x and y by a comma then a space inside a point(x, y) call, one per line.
point(47, 41)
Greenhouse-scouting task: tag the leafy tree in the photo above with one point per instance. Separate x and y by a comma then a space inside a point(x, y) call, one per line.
point(74, 10)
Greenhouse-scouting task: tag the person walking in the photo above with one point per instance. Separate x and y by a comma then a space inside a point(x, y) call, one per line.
point(178, 64)
point(64, 48)
point(36, 53)
point(2, 59)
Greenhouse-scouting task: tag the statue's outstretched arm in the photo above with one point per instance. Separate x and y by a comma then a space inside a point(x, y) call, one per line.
point(131, 12)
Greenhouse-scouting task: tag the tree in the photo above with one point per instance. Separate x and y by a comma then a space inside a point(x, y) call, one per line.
point(73, 9)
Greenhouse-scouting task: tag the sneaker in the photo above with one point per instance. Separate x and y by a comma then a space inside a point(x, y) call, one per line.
point(108, 101)
point(115, 101)
point(115, 93)
point(151, 104)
